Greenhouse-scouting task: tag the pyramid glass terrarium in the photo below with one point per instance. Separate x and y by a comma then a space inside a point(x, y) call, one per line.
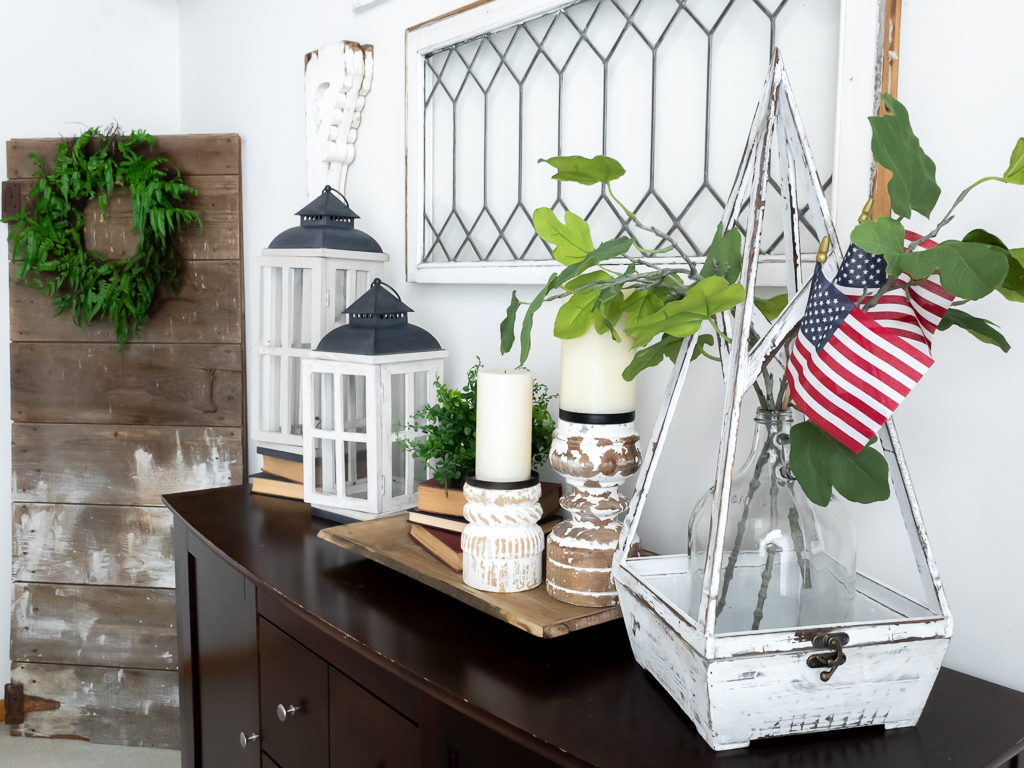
point(774, 621)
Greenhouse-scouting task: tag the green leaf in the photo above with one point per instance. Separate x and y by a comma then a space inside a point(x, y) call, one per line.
point(1014, 173)
point(576, 315)
point(683, 317)
point(702, 341)
point(572, 239)
point(640, 305)
point(772, 308)
point(967, 270)
point(725, 256)
point(884, 236)
point(895, 147)
point(652, 356)
point(508, 325)
point(586, 279)
point(607, 250)
point(524, 334)
point(820, 462)
point(1014, 280)
point(981, 236)
point(585, 170)
point(979, 328)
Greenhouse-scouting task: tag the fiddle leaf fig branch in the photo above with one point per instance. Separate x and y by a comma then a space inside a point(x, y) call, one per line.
point(646, 298)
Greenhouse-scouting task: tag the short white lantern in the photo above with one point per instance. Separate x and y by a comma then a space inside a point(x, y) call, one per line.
point(307, 278)
point(360, 389)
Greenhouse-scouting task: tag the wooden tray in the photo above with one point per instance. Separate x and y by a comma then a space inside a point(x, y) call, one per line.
point(387, 542)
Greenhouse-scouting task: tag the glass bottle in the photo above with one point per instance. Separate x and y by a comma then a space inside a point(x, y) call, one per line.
point(787, 562)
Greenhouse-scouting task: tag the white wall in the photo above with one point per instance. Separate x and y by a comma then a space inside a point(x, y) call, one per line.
point(69, 68)
point(241, 71)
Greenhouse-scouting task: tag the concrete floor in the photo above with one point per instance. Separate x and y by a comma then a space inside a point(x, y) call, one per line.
point(58, 753)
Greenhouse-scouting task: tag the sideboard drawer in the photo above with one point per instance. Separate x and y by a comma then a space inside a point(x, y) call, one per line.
point(267, 762)
point(367, 732)
point(293, 682)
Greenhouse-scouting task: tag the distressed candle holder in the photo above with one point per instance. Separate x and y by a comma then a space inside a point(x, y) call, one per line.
point(595, 453)
point(502, 546)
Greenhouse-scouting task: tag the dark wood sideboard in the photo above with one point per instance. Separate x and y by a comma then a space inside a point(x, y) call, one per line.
point(374, 670)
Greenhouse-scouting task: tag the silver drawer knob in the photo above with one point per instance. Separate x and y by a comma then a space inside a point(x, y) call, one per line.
point(283, 712)
point(244, 740)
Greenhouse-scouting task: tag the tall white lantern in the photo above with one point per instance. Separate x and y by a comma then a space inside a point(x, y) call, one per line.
point(307, 278)
point(360, 389)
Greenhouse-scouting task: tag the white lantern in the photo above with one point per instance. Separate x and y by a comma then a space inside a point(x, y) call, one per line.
point(360, 389)
point(307, 278)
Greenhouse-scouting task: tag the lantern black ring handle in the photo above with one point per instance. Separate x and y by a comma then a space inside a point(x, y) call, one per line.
point(329, 188)
point(377, 281)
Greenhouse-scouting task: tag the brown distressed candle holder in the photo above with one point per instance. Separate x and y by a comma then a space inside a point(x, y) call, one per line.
point(595, 453)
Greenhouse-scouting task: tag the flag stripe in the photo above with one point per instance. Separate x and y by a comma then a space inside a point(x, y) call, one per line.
point(837, 398)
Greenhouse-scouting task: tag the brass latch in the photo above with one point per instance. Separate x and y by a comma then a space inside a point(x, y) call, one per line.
point(832, 659)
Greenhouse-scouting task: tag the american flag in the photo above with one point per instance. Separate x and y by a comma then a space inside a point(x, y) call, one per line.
point(849, 371)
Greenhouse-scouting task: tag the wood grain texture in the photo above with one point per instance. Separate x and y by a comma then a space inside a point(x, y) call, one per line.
point(75, 544)
point(130, 465)
point(166, 384)
point(94, 625)
point(192, 155)
point(387, 541)
point(890, 70)
point(208, 309)
point(131, 707)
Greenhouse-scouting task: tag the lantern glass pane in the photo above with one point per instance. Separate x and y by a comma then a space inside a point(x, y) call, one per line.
point(270, 388)
point(270, 333)
point(294, 400)
point(326, 466)
point(398, 415)
point(323, 401)
point(420, 384)
point(356, 485)
point(353, 396)
point(362, 282)
point(398, 478)
point(301, 325)
point(340, 295)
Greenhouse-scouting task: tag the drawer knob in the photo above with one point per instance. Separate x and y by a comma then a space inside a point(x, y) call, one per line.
point(283, 712)
point(244, 740)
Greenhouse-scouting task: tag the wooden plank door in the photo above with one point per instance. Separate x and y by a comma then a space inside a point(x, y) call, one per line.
point(99, 434)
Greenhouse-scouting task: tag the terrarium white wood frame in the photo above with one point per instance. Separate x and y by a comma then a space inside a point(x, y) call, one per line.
point(742, 686)
point(859, 62)
point(302, 294)
point(354, 410)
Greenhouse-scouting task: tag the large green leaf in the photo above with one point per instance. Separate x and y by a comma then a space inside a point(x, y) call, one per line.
point(683, 317)
point(585, 170)
point(640, 305)
point(883, 235)
point(821, 463)
point(1015, 170)
point(772, 308)
point(967, 270)
point(980, 328)
point(1013, 284)
point(652, 356)
point(572, 239)
point(895, 147)
point(576, 315)
point(524, 337)
point(981, 236)
point(699, 344)
point(725, 256)
point(607, 250)
point(508, 325)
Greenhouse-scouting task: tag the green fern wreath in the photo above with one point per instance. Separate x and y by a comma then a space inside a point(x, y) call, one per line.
point(48, 249)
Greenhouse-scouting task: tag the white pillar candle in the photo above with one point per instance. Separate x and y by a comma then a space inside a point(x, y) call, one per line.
point(592, 367)
point(504, 425)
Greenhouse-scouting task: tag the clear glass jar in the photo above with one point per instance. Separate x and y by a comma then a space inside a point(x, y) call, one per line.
point(787, 562)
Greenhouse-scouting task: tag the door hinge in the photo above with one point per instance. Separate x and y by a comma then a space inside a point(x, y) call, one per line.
point(327, 297)
point(14, 704)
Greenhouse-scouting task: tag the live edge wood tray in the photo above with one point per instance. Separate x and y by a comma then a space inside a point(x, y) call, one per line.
point(386, 541)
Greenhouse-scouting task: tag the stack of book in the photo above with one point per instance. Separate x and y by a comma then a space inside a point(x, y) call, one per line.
point(281, 475)
point(438, 521)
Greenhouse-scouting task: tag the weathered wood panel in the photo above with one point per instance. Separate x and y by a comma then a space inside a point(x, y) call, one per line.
point(75, 544)
point(87, 624)
point(131, 465)
point(133, 707)
point(195, 155)
point(207, 310)
point(195, 384)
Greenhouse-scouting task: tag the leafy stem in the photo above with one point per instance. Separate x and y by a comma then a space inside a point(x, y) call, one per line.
point(672, 244)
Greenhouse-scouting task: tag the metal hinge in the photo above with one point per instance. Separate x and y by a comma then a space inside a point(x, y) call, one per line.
point(835, 656)
point(14, 704)
point(327, 297)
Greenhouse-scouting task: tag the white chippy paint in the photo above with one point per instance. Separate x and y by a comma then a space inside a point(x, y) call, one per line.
point(751, 685)
point(502, 546)
point(210, 471)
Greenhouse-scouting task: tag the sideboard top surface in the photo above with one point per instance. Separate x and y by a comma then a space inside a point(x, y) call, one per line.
point(582, 694)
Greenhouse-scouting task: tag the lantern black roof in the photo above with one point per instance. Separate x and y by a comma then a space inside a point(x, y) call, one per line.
point(327, 222)
point(378, 324)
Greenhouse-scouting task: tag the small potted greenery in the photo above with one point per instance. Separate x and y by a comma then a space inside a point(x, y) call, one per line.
point(447, 440)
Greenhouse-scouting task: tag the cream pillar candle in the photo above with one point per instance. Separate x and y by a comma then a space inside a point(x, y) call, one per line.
point(504, 426)
point(592, 367)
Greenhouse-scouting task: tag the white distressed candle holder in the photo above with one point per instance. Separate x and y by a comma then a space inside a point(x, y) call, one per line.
point(595, 459)
point(502, 546)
